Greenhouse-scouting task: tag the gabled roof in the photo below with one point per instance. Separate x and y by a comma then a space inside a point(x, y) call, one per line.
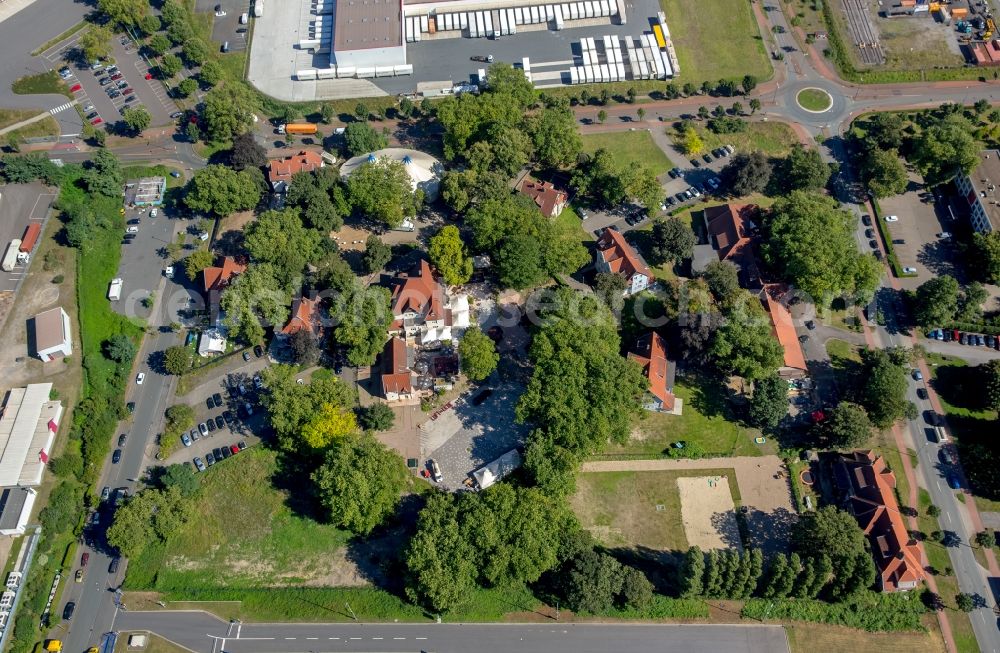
point(282, 169)
point(546, 197)
point(418, 293)
point(217, 278)
point(396, 376)
point(732, 234)
point(783, 327)
point(305, 315)
point(873, 503)
point(620, 256)
point(650, 351)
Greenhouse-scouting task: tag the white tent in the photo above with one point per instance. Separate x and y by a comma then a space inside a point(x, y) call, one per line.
point(460, 312)
point(211, 342)
point(424, 170)
point(492, 472)
point(435, 335)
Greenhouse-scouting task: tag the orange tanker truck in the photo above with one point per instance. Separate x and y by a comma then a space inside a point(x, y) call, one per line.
point(297, 128)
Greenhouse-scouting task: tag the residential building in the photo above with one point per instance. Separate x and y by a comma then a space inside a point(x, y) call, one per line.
point(418, 302)
point(397, 380)
point(650, 351)
point(280, 171)
point(732, 233)
point(794, 363)
point(550, 200)
point(866, 485)
point(53, 338)
point(979, 188)
point(29, 421)
point(216, 278)
point(147, 191)
point(306, 316)
point(615, 255)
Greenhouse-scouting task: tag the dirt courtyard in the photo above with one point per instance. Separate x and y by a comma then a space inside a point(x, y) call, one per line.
point(708, 512)
point(762, 490)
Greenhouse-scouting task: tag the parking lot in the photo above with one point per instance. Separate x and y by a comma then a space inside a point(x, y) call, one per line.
point(20, 204)
point(94, 98)
point(915, 236)
point(224, 27)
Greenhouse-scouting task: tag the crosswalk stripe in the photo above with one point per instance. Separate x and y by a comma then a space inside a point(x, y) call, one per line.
point(61, 107)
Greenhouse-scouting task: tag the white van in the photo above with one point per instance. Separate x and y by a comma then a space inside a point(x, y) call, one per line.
point(244, 18)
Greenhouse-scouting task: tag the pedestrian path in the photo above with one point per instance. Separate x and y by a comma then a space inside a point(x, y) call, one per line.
point(34, 119)
point(61, 107)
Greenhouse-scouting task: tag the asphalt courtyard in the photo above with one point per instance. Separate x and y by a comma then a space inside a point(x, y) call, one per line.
point(204, 633)
point(20, 205)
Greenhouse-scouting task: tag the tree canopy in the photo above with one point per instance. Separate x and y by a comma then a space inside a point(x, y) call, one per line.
point(220, 190)
point(477, 354)
point(834, 533)
point(381, 191)
point(769, 403)
point(883, 387)
point(812, 241)
point(847, 426)
point(256, 298)
point(884, 173)
point(746, 174)
point(291, 405)
point(944, 148)
point(361, 138)
point(673, 240)
point(280, 238)
point(363, 315)
point(449, 256)
point(229, 110)
point(936, 301)
point(804, 169)
point(745, 345)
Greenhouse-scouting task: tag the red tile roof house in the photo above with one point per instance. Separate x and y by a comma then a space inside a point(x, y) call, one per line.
point(550, 200)
point(650, 351)
point(868, 484)
point(732, 232)
point(794, 365)
point(306, 316)
point(418, 302)
point(280, 171)
point(216, 278)
point(397, 380)
point(614, 254)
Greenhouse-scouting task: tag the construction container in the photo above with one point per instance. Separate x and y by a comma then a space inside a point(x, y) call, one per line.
point(959, 12)
point(488, 17)
point(30, 237)
point(326, 73)
point(346, 71)
point(308, 73)
point(574, 75)
point(463, 20)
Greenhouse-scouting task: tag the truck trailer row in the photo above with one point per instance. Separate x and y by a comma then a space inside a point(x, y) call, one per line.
point(504, 22)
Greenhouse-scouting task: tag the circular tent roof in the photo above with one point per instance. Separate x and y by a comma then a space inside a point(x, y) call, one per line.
point(425, 171)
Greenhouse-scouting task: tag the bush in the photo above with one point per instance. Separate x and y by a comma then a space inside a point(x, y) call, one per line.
point(866, 610)
point(58, 279)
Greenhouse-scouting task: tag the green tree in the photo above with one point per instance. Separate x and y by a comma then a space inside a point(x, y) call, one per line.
point(195, 52)
point(126, 13)
point(885, 131)
point(936, 301)
point(159, 44)
point(812, 241)
point(255, 297)
point(180, 32)
point(965, 602)
point(884, 172)
point(991, 383)
point(749, 84)
point(833, 533)
point(692, 573)
point(197, 261)
point(291, 405)
point(187, 87)
point(519, 262)
point(103, 175)
point(557, 141)
point(179, 418)
point(120, 349)
point(177, 359)
point(362, 138)
point(229, 110)
point(745, 345)
point(441, 562)
point(377, 254)
point(723, 281)
point(182, 476)
point(986, 256)
point(449, 256)
point(478, 354)
point(746, 174)
point(221, 190)
point(769, 403)
point(673, 240)
point(247, 153)
point(130, 532)
point(96, 43)
point(382, 191)
point(970, 303)
point(137, 119)
point(847, 426)
point(363, 315)
point(211, 73)
point(376, 417)
point(944, 148)
point(170, 65)
point(360, 483)
point(637, 591)
point(883, 387)
point(150, 24)
point(754, 105)
point(602, 116)
point(804, 169)
point(280, 238)
point(592, 582)
point(690, 142)
point(610, 287)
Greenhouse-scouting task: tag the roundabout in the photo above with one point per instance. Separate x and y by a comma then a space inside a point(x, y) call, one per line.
point(814, 100)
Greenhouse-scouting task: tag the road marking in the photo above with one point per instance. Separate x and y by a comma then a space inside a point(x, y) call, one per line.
point(289, 638)
point(378, 638)
point(399, 638)
point(419, 638)
point(332, 638)
point(61, 107)
point(312, 637)
point(355, 638)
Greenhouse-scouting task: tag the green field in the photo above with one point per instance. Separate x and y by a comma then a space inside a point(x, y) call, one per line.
point(638, 509)
point(629, 149)
point(707, 423)
point(773, 138)
point(814, 99)
point(716, 39)
point(47, 82)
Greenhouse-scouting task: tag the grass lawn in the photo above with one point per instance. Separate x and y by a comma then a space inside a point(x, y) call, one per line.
point(630, 149)
point(48, 82)
point(620, 508)
point(814, 99)
point(707, 421)
point(716, 39)
point(569, 222)
point(10, 116)
point(208, 150)
point(773, 138)
point(809, 638)
point(44, 127)
point(842, 353)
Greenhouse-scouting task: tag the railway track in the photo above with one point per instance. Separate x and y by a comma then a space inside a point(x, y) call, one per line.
point(864, 34)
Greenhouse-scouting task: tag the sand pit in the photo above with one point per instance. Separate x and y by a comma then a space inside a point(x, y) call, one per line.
point(708, 513)
point(351, 238)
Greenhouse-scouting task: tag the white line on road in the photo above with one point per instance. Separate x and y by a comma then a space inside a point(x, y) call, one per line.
point(355, 638)
point(334, 638)
point(378, 638)
point(399, 638)
point(312, 637)
point(289, 638)
point(420, 638)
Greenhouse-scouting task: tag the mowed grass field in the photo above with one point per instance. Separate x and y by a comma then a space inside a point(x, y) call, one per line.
point(771, 138)
point(629, 149)
point(716, 39)
point(706, 421)
point(809, 638)
point(245, 534)
point(620, 508)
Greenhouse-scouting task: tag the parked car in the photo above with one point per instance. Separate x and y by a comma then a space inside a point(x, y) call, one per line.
point(217, 452)
point(116, 457)
point(116, 76)
point(105, 493)
point(242, 445)
point(84, 559)
point(892, 218)
point(234, 449)
point(866, 220)
point(217, 398)
point(128, 91)
point(694, 191)
point(713, 183)
point(97, 121)
point(194, 435)
point(79, 576)
point(130, 407)
point(113, 567)
point(258, 382)
point(248, 408)
point(122, 84)
point(673, 172)
point(258, 351)
point(186, 439)
point(910, 270)
point(246, 356)
point(921, 393)
point(209, 459)
point(707, 158)
point(121, 439)
point(198, 464)
point(104, 81)
point(944, 235)
point(153, 212)
point(219, 422)
point(226, 453)
point(962, 338)
point(203, 428)
point(229, 417)
point(210, 402)
point(210, 423)
point(980, 340)
point(696, 163)
point(435, 471)
point(953, 482)
point(69, 610)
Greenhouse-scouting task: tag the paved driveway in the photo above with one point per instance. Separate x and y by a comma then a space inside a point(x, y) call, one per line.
point(915, 234)
point(20, 204)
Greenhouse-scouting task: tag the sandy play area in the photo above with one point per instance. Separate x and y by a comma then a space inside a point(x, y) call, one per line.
point(708, 513)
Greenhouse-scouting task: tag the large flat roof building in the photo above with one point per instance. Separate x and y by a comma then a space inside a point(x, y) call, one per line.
point(979, 188)
point(53, 338)
point(28, 424)
point(368, 33)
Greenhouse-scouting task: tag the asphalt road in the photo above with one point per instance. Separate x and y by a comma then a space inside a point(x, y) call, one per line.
point(198, 632)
